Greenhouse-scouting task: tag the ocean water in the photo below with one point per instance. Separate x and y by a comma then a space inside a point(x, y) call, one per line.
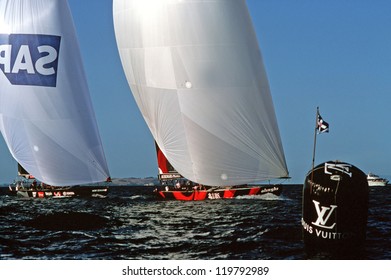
point(131, 224)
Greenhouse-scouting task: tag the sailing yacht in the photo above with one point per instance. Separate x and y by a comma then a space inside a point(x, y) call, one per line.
point(196, 72)
point(376, 181)
point(46, 114)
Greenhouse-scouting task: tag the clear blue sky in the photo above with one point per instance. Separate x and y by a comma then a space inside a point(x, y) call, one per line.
point(333, 54)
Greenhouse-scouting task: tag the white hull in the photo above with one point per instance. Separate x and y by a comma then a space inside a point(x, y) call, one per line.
point(376, 181)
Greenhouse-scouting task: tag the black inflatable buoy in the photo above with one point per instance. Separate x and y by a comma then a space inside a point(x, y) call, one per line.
point(335, 210)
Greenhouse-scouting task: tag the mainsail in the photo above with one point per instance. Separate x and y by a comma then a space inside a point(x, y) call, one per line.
point(166, 170)
point(197, 75)
point(46, 113)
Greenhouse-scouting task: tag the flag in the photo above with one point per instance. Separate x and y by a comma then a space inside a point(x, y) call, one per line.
point(321, 125)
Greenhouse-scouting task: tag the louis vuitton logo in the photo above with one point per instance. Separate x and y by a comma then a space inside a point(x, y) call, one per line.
point(324, 214)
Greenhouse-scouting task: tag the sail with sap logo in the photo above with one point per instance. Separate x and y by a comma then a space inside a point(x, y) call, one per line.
point(46, 113)
point(30, 59)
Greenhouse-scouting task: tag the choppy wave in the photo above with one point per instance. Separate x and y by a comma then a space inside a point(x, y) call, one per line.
point(131, 224)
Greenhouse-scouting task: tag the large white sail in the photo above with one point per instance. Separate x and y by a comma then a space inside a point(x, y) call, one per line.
point(197, 75)
point(46, 114)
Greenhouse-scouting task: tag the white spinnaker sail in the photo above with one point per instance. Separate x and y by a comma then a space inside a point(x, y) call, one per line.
point(46, 114)
point(197, 75)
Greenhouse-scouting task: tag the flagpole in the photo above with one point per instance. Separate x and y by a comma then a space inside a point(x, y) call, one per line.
point(313, 152)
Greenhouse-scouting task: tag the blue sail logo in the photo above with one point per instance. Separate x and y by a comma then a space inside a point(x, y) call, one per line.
point(30, 59)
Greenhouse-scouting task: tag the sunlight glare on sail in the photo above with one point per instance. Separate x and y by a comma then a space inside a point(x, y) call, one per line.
point(224, 177)
point(150, 7)
point(5, 28)
point(23, 20)
point(188, 84)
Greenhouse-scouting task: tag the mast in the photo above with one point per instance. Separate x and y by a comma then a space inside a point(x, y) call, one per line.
point(313, 152)
point(320, 127)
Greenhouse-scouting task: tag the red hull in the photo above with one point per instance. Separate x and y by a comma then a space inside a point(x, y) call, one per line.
point(218, 193)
